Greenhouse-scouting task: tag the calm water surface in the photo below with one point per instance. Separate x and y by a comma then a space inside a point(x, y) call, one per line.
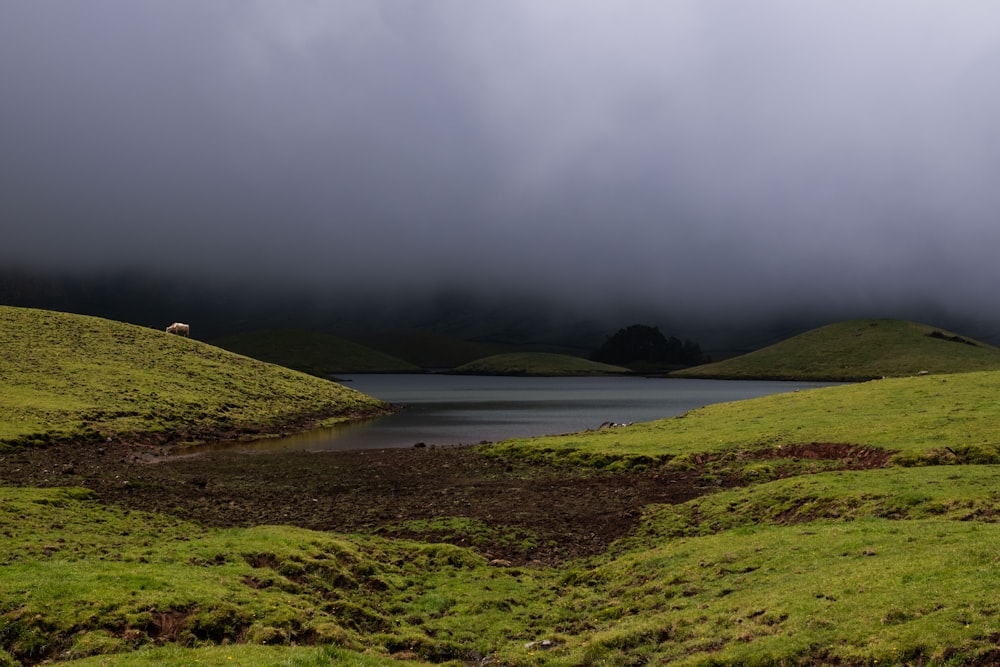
point(456, 409)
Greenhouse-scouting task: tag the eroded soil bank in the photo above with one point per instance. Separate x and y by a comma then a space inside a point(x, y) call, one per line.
point(568, 513)
point(571, 513)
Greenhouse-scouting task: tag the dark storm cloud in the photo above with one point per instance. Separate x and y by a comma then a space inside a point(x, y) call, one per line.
point(715, 156)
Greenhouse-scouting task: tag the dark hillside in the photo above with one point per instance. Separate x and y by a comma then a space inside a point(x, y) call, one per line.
point(313, 352)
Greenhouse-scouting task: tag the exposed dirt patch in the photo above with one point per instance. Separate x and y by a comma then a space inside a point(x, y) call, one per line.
point(852, 457)
point(167, 625)
point(573, 513)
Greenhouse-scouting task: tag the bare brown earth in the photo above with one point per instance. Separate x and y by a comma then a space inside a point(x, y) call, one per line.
point(570, 513)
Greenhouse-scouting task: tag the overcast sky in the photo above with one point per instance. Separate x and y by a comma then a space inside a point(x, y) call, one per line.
point(714, 155)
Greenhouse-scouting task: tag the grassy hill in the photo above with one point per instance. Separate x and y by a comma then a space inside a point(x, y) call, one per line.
point(72, 376)
point(313, 352)
point(537, 363)
point(857, 350)
point(427, 349)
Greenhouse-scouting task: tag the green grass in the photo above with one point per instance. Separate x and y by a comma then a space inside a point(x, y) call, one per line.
point(242, 655)
point(857, 350)
point(891, 566)
point(472, 533)
point(82, 579)
point(928, 419)
point(872, 567)
point(313, 352)
point(539, 364)
point(955, 493)
point(76, 377)
point(871, 591)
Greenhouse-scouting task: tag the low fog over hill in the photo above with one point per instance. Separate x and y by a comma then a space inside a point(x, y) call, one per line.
point(531, 322)
point(726, 171)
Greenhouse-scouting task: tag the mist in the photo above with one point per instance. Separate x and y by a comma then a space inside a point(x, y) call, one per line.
point(717, 162)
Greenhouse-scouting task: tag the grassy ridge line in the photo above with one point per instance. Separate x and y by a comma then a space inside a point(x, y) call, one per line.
point(928, 419)
point(72, 376)
point(857, 350)
point(313, 352)
point(545, 364)
point(427, 349)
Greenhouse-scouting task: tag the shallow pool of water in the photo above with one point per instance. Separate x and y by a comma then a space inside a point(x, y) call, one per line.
point(457, 409)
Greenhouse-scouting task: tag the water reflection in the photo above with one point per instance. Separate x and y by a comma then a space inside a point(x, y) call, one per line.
point(450, 410)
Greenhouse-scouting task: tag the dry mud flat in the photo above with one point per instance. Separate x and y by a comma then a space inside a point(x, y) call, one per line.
point(569, 513)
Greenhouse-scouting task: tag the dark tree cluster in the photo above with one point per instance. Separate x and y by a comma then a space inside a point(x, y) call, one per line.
point(645, 345)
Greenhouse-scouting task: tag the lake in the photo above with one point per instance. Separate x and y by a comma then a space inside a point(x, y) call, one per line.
point(458, 409)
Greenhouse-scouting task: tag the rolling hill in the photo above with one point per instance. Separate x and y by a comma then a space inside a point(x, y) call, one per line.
point(856, 350)
point(427, 349)
point(537, 363)
point(78, 377)
point(313, 352)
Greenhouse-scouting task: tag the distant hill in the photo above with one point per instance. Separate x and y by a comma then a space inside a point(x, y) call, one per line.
point(313, 352)
point(427, 349)
point(857, 350)
point(537, 363)
point(76, 377)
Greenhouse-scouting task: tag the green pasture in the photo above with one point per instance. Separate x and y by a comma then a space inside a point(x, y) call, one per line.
point(858, 568)
point(241, 655)
point(80, 578)
point(76, 377)
point(861, 592)
point(951, 418)
point(857, 350)
point(245, 655)
point(800, 564)
point(538, 364)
